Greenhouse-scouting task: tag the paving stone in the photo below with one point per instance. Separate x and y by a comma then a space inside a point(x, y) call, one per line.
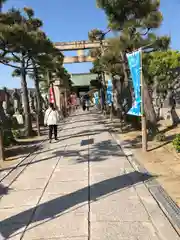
point(20, 184)
point(98, 173)
point(63, 188)
point(20, 198)
point(121, 206)
point(72, 238)
point(123, 230)
point(12, 231)
point(36, 173)
point(16, 215)
point(58, 227)
point(70, 175)
point(161, 222)
point(51, 205)
point(109, 185)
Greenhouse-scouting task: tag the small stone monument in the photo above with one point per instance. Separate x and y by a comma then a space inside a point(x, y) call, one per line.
point(170, 105)
point(6, 102)
point(16, 101)
point(31, 102)
point(16, 106)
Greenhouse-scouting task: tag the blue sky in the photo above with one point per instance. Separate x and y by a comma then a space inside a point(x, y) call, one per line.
point(68, 20)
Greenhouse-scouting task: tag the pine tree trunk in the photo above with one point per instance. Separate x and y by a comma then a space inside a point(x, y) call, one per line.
point(124, 67)
point(38, 106)
point(117, 86)
point(39, 113)
point(28, 122)
point(149, 111)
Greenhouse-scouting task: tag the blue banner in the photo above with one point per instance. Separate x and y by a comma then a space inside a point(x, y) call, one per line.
point(134, 62)
point(109, 94)
point(96, 98)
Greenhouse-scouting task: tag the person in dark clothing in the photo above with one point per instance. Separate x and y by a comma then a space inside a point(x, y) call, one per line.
point(83, 103)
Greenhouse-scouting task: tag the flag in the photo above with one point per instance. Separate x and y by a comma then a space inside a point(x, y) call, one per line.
point(109, 95)
point(51, 95)
point(134, 62)
point(96, 98)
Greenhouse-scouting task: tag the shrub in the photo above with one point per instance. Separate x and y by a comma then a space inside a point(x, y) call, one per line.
point(16, 133)
point(176, 143)
point(7, 139)
point(160, 137)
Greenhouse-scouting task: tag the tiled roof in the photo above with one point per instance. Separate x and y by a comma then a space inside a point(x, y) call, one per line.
point(82, 79)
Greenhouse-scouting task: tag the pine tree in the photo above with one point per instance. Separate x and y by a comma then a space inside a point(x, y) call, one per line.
point(135, 21)
point(22, 46)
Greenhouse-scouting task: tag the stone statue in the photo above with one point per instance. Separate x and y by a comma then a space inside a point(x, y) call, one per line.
point(31, 102)
point(170, 102)
point(16, 101)
point(6, 103)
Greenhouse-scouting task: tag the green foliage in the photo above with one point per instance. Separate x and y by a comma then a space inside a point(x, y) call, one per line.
point(16, 133)
point(6, 140)
point(139, 14)
point(134, 20)
point(95, 34)
point(158, 68)
point(176, 143)
point(22, 41)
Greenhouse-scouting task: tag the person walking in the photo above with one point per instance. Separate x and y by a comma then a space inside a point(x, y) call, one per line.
point(51, 120)
point(83, 103)
point(87, 102)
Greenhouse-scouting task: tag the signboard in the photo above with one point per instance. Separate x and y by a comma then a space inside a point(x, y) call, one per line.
point(134, 62)
point(96, 98)
point(109, 94)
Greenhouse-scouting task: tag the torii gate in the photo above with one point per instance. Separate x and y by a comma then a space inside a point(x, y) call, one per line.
point(80, 46)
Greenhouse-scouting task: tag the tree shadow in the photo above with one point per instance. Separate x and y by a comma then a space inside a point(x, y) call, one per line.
point(167, 129)
point(82, 121)
point(101, 151)
point(3, 190)
point(97, 152)
point(136, 142)
point(71, 128)
point(54, 208)
point(22, 150)
point(82, 134)
point(168, 140)
point(22, 163)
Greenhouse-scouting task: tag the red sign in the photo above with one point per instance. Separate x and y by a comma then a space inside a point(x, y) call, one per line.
point(51, 95)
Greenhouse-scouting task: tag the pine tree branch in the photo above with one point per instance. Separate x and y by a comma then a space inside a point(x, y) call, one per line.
point(27, 63)
point(9, 65)
point(16, 57)
point(147, 31)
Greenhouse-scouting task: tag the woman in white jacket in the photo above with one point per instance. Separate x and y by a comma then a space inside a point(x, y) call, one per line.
point(51, 119)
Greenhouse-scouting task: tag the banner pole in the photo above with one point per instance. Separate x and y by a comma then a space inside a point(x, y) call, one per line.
point(143, 117)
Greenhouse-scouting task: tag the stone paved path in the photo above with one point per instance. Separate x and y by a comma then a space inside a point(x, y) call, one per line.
point(81, 188)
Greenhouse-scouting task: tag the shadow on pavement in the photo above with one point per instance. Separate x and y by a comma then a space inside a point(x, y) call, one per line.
point(97, 152)
point(82, 134)
point(3, 190)
point(53, 208)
